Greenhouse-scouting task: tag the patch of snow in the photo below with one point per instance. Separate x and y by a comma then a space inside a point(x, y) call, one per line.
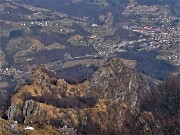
point(29, 128)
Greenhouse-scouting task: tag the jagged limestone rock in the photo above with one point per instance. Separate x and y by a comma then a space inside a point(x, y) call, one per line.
point(14, 127)
point(12, 111)
point(67, 131)
point(114, 88)
point(31, 107)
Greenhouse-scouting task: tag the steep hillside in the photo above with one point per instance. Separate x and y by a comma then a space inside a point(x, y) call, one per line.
point(104, 104)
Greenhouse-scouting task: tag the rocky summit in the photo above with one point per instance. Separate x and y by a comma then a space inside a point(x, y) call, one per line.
point(107, 103)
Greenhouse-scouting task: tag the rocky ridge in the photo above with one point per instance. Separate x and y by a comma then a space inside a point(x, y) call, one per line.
point(103, 104)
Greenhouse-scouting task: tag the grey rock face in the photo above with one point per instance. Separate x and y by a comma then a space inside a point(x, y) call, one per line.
point(14, 127)
point(116, 81)
point(114, 84)
point(12, 111)
point(100, 80)
point(31, 107)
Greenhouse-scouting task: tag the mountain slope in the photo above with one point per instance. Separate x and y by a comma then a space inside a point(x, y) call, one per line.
point(100, 105)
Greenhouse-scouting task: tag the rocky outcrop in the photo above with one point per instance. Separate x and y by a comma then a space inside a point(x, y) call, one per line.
point(12, 111)
point(116, 81)
point(31, 106)
point(96, 106)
